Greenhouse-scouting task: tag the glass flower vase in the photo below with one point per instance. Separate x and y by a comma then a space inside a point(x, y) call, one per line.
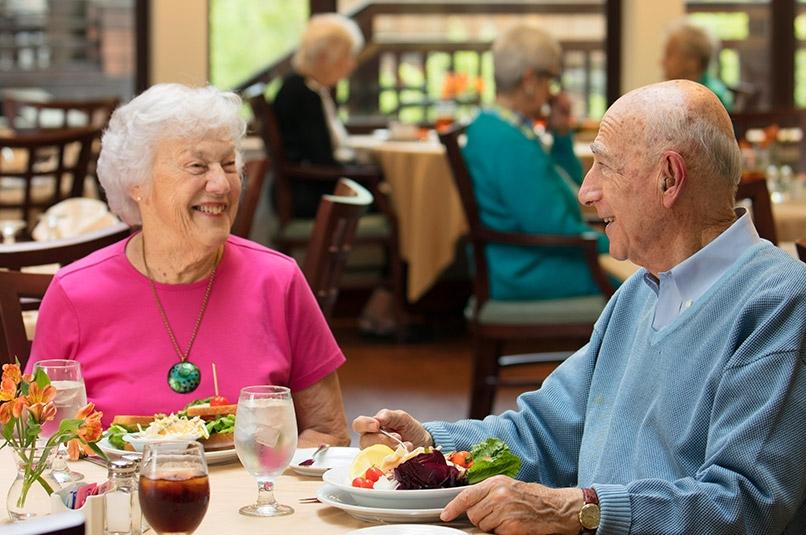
point(29, 495)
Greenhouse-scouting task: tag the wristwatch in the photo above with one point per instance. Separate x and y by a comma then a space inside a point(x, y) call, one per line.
point(589, 514)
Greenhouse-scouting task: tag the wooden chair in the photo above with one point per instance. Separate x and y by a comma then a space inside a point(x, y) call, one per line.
point(58, 158)
point(16, 256)
point(254, 176)
point(566, 323)
point(759, 196)
point(800, 245)
point(24, 291)
point(379, 229)
point(28, 115)
point(16, 288)
point(332, 239)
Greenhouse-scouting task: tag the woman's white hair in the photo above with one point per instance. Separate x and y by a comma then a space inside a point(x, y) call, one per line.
point(696, 41)
point(708, 150)
point(164, 111)
point(519, 49)
point(324, 39)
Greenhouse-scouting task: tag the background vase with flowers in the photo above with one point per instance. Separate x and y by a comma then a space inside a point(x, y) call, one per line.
point(26, 402)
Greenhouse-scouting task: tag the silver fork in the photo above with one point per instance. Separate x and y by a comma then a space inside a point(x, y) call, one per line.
point(320, 449)
point(383, 431)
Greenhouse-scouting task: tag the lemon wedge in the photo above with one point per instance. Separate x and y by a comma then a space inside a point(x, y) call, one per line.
point(366, 458)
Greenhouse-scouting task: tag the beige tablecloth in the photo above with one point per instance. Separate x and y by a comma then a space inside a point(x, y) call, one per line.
point(790, 219)
point(430, 213)
point(231, 487)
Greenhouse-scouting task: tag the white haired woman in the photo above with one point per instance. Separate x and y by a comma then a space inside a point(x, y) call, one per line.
point(149, 316)
point(306, 113)
point(519, 186)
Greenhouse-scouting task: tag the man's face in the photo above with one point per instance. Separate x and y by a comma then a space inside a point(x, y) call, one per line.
point(621, 185)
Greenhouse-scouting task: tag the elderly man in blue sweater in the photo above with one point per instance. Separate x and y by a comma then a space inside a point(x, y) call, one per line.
point(685, 413)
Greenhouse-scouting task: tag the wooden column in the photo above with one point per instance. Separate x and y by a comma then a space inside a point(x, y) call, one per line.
point(613, 40)
point(782, 53)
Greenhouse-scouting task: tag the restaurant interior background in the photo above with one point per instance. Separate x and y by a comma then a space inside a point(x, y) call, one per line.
point(420, 57)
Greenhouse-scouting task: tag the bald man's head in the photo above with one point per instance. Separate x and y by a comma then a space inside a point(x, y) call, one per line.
point(685, 117)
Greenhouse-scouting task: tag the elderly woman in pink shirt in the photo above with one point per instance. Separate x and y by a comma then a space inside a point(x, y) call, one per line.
point(149, 316)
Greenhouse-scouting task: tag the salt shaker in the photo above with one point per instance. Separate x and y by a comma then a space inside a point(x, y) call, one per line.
point(122, 502)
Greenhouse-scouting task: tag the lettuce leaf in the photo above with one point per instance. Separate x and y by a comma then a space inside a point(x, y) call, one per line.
point(115, 435)
point(428, 471)
point(491, 458)
point(222, 424)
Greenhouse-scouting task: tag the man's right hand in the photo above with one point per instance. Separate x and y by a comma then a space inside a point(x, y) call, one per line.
point(399, 423)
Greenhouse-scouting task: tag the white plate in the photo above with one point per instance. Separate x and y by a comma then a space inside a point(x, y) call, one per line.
point(330, 458)
point(332, 496)
point(212, 457)
point(398, 499)
point(406, 529)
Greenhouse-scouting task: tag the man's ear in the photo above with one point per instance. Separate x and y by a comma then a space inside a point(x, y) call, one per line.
point(672, 179)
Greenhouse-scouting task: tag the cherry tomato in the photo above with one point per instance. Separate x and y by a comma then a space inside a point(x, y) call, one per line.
point(217, 401)
point(461, 458)
point(373, 474)
point(362, 483)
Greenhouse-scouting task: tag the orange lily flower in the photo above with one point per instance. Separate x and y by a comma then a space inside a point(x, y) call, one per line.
point(91, 429)
point(75, 447)
point(12, 371)
point(8, 389)
point(43, 412)
point(37, 395)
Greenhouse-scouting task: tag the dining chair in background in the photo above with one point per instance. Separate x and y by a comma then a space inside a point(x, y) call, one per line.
point(757, 193)
point(254, 174)
point(26, 115)
point(47, 166)
point(375, 230)
point(23, 291)
point(332, 239)
point(555, 323)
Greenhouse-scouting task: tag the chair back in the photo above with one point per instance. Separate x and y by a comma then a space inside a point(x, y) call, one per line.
point(800, 245)
point(254, 175)
point(14, 287)
point(25, 254)
point(59, 158)
point(759, 196)
point(269, 129)
point(28, 114)
point(452, 138)
point(332, 239)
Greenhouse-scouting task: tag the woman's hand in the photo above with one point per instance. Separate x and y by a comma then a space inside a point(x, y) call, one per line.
point(560, 118)
point(398, 423)
point(504, 505)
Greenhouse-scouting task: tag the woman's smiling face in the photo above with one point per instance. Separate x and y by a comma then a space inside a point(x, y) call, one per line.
point(194, 190)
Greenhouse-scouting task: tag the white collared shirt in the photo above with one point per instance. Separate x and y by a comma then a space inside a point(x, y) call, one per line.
point(681, 286)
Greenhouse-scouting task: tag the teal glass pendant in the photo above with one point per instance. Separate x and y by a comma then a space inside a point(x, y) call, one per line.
point(184, 377)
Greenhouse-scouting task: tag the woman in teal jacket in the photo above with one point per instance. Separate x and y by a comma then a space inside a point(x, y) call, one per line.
point(519, 185)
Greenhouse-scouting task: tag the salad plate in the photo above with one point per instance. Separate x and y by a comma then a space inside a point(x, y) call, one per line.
point(332, 457)
point(420, 499)
point(335, 497)
point(212, 457)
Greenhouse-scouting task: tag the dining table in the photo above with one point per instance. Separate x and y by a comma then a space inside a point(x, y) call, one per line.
point(431, 219)
point(231, 487)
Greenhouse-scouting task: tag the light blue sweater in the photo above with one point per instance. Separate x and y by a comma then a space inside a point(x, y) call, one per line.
point(695, 428)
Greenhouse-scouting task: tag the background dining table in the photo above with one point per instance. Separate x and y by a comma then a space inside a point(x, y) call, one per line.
point(430, 215)
point(231, 487)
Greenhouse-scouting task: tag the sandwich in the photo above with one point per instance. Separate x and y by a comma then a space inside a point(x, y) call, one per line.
point(211, 421)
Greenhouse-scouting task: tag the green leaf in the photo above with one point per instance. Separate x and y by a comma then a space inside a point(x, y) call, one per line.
point(8, 429)
point(98, 451)
point(70, 425)
point(41, 378)
point(491, 458)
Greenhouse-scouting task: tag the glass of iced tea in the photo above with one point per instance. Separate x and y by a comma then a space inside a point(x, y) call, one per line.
point(265, 439)
point(174, 490)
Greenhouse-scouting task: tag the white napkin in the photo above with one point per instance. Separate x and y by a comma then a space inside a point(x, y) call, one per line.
point(73, 217)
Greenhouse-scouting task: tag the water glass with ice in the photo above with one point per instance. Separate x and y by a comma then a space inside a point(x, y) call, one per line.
point(265, 440)
point(71, 396)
